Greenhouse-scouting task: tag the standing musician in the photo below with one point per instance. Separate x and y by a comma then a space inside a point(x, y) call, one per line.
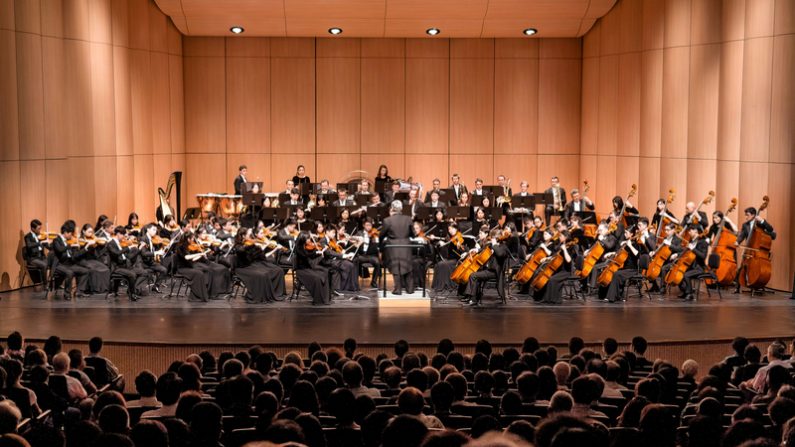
point(240, 180)
point(699, 247)
point(752, 220)
point(300, 176)
point(577, 205)
point(524, 189)
point(634, 247)
point(123, 259)
point(719, 219)
point(661, 213)
point(558, 205)
point(264, 280)
point(690, 216)
point(552, 293)
point(493, 269)
point(309, 271)
point(33, 252)
point(396, 230)
point(68, 253)
point(152, 254)
point(458, 189)
point(381, 180)
point(375, 201)
point(93, 259)
point(368, 251)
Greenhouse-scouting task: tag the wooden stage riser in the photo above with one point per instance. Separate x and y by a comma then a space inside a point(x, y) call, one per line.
point(133, 358)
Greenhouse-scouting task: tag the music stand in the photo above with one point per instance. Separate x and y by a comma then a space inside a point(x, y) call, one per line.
point(284, 197)
point(362, 199)
point(587, 217)
point(253, 199)
point(378, 213)
point(402, 196)
point(458, 212)
point(493, 212)
point(320, 213)
point(528, 201)
point(329, 197)
point(447, 195)
point(268, 214)
point(422, 213)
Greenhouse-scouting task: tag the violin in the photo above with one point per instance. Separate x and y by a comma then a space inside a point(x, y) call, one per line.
point(311, 245)
point(332, 243)
point(157, 240)
point(43, 236)
point(194, 247)
point(374, 233)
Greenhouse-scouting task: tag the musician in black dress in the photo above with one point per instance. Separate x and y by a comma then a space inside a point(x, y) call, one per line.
point(152, 255)
point(719, 219)
point(634, 250)
point(300, 177)
point(258, 276)
point(33, 253)
point(448, 255)
point(552, 293)
point(397, 230)
point(286, 237)
point(313, 276)
point(494, 268)
point(609, 243)
point(421, 254)
point(368, 251)
point(68, 257)
point(133, 226)
point(381, 180)
point(92, 260)
point(302, 222)
point(123, 259)
point(631, 214)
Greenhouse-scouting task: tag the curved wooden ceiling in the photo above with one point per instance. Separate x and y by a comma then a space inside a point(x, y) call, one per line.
point(386, 18)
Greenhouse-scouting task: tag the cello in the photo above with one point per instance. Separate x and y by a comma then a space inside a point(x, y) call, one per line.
point(683, 262)
point(471, 264)
point(589, 230)
point(756, 267)
point(550, 267)
point(664, 219)
point(663, 251)
point(529, 268)
point(723, 245)
point(616, 264)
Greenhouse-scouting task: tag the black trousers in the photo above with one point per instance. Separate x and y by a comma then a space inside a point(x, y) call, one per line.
point(375, 262)
point(158, 271)
point(691, 274)
point(135, 278)
point(37, 268)
point(69, 272)
point(475, 280)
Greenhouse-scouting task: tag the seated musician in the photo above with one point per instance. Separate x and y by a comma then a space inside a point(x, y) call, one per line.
point(123, 259)
point(264, 280)
point(302, 222)
point(647, 239)
point(100, 220)
point(421, 254)
point(364, 187)
point(68, 253)
point(389, 196)
point(286, 236)
point(345, 223)
point(226, 229)
point(630, 212)
point(375, 201)
point(343, 199)
point(169, 228)
point(106, 231)
point(152, 254)
point(325, 188)
point(699, 247)
point(537, 236)
point(295, 198)
point(577, 232)
point(313, 276)
point(94, 260)
point(609, 242)
point(464, 199)
point(192, 257)
point(289, 187)
point(413, 203)
point(577, 205)
point(343, 272)
point(368, 251)
point(448, 255)
point(662, 213)
point(552, 292)
point(478, 190)
point(33, 253)
point(691, 217)
point(752, 221)
point(717, 219)
point(673, 241)
point(634, 249)
point(494, 268)
point(479, 217)
point(133, 226)
point(435, 202)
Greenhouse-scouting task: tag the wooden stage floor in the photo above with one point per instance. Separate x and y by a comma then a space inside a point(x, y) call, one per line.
point(156, 320)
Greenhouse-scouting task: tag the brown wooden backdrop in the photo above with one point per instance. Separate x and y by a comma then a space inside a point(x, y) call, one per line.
point(100, 100)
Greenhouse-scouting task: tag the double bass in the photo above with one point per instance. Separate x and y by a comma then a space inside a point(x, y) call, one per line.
point(684, 234)
point(723, 245)
point(623, 217)
point(663, 251)
point(756, 265)
point(588, 229)
point(664, 219)
point(550, 267)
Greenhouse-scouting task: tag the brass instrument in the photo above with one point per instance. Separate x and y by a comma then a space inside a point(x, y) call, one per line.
point(505, 197)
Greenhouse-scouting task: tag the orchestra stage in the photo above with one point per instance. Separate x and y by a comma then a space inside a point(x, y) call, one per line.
point(176, 321)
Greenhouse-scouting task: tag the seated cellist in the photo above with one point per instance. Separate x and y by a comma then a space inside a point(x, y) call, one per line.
point(494, 268)
point(673, 241)
point(699, 247)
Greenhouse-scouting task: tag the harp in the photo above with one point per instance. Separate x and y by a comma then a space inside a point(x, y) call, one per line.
point(165, 208)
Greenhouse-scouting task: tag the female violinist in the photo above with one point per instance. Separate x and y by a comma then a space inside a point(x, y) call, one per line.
point(91, 259)
point(368, 251)
point(346, 223)
point(552, 292)
point(170, 227)
point(449, 254)
point(213, 279)
point(133, 225)
point(302, 222)
point(313, 276)
point(264, 280)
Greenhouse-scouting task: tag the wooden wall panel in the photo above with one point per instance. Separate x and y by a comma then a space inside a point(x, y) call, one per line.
point(608, 106)
point(105, 185)
point(649, 187)
point(335, 167)
point(677, 22)
point(518, 167)
point(651, 100)
point(141, 101)
point(176, 95)
point(469, 167)
point(293, 95)
point(31, 204)
point(516, 106)
point(30, 96)
point(702, 126)
point(102, 100)
point(471, 105)
point(589, 127)
point(9, 125)
point(396, 163)
point(559, 98)
point(54, 97)
point(759, 18)
point(338, 105)
point(628, 110)
point(782, 134)
point(205, 104)
point(21, 15)
point(383, 105)
point(205, 173)
point(425, 168)
point(10, 235)
point(427, 104)
point(283, 167)
point(77, 97)
point(731, 91)
point(99, 21)
point(248, 112)
point(756, 97)
point(160, 103)
point(676, 62)
point(122, 101)
point(606, 184)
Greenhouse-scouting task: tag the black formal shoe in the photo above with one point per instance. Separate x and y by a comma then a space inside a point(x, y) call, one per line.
point(396, 292)
point(473, 303)
point(155, 289)
point(134, 298)
point(689, 297)
point(682, 295)
point(336, 293)
point(373, 285)
point(737, 290)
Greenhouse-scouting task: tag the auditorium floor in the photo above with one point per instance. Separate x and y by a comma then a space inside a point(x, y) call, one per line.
point(157, 320)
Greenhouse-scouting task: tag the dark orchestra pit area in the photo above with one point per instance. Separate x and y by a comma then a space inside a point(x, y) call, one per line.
point(161, 321)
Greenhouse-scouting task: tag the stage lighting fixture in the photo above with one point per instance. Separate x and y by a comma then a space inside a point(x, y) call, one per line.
point(432, 31)
point(529, 31)
point(335, 31)
point(237, 29)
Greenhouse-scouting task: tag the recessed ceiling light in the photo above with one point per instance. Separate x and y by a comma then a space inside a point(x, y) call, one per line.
point(530, 31)
point(335, 31)
point(237, 29)
point(432, 31)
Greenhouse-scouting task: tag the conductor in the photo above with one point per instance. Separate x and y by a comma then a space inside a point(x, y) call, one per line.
point(397, 230)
